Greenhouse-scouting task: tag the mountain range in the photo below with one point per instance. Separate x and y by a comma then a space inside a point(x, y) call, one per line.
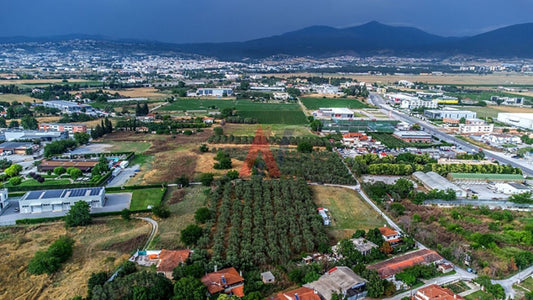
point(370, 39)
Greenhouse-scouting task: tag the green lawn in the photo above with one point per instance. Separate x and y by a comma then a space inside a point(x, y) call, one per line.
point(316, 103)
point(141, 159)
point(47, 181)
point(348, 211)
point(479, 295)
point(528, 283)
point(140, 199)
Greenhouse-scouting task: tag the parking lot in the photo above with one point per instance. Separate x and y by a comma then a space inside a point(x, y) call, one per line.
point(123, 177)
point(481, 189)
point(92, 148)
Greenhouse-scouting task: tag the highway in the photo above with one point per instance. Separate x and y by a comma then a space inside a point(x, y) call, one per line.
point(378, 101)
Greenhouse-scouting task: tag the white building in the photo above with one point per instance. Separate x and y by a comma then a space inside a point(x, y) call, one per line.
point(449, 113)
point(214, 92)
point(323, 212)
point(60, 200)
point(523, 120)
point(433, 181)
point(327, 89)
point(476, 126)
point(333, 113)
point(3, 199)
point(280, 96)
point(68, 107)
point(511, 188)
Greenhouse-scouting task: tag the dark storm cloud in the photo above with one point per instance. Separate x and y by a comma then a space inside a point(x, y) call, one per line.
point(237, 20)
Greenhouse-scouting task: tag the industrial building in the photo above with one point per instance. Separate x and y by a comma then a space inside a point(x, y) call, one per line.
point(67, 106)
point(433, 181)
point(482, 177)
point(61, 127)
point(60, 200)
point(16, 147)
point(454, 114)
point(44, 136)
point(511, 188)
point(333, 113)
point(214, 92)
point(522, 120)
point(340, 280)
point(3, 199)
point(413, 136)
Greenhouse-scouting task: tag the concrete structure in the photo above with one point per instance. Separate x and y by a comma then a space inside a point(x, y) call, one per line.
point(419, 103)
point(302, 293)
point(214, 92)
point(268, 277)
point(388, 268)
point(433, 181)
point(522, 120)
point(44, 136)
point(227, 281)
point(60, 200)
point(61, 127)
point(435, 292)
point(340, 280)
point(16, 147)
point(413, 136)
point(3, 199)
point(449, 114)
point(362, 245)
point(476, 126)
point(511, 188)
point(334, 113)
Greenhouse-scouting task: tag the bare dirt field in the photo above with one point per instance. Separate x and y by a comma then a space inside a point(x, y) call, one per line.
point(99, 247)
point(459, 79)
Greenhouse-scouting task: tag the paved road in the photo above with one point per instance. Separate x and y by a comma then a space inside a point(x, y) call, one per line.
point(155, 228)
point(377, 100)
point(507, 284)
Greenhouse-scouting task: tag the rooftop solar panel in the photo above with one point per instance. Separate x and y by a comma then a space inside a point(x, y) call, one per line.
point(52, 194)
point(33, 195)
point(95, 191)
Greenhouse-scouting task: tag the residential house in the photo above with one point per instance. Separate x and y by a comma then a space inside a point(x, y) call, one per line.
point(390, 235)
point(302, 293)
point(388, 268)
point(170, 259)
point(435, 292)
point(340, 280)
point(227, 281)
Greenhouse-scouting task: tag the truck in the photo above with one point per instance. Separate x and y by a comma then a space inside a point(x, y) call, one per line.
point(124, 164)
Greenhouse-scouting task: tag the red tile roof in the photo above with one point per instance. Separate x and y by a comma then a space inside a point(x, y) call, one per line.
point(303, 293)
point(238, 291)
point(435, 292)
point(169, 259)
point(397, 264)
point(387, 231)
point(213, 281)
point(360, 135)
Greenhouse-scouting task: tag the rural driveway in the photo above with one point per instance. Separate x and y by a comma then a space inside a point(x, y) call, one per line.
point(155, 228)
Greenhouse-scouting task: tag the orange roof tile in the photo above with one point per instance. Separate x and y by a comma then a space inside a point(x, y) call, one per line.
point(387, 231)
point(213, 281)
point(397, 264)
point(304, 293)
point(169, 259)
point(435, 292)
point(238, 291)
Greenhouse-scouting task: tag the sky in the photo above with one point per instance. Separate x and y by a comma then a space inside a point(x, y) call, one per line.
point(186, 21)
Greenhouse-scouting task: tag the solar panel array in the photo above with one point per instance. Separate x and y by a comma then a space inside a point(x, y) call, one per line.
point(52, 194)
point(78, 193)
point(34, 195)
point(63, 193)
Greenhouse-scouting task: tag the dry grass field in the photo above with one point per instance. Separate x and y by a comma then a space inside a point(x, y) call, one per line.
point(458, 79)
point(34, 81)
point(19, 98)
point(150, 93)
point(99, 247)
point(348, 211)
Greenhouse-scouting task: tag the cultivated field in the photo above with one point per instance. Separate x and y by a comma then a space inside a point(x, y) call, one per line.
point(99, 247)
point(146, 92)
point(268, 130)
point(348, 211)
point(316, 103)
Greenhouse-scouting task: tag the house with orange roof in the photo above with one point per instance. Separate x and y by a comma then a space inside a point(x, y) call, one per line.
point(435, 292)
point(302, 293)
point(390, 235)
point(388, 268)
point(227, 281)
point(170, 259)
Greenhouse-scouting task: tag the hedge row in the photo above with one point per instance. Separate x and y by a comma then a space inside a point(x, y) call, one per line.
point(100, 182)
point(133, 187)
point(53, 219)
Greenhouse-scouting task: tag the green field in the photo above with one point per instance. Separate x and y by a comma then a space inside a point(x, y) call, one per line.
point(47, 181)
point(270, 129)
point(479, 295)
point(467, 176)
point(140, 199)
point(264, 113)
point(391, 141)
point(316, 103)
point(137, 147)
point(485, 95)
point(482, 112)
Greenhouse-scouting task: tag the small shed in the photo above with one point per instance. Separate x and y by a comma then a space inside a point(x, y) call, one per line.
point(268, 277)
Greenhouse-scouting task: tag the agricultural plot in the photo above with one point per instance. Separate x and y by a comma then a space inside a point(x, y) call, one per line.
point(392, 142)
point(316, 103)
point(263, 222)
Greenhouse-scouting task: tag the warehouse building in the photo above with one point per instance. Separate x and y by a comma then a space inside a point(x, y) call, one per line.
point(482, 177)
point(43, 136)
point(413, 136)
point(334, 113)
point(16, 147)
point(433, 181)
point(454, 114)
point(522, 120)
point(512, 188)
point(60, 200)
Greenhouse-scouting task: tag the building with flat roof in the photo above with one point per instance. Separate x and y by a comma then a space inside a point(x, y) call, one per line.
point(60, 200)
point(3, 199)
point(522, 120)
point(413, 136)
point(44, 136)
point(340, 280)
point(449, 114)
point(334, 113)
point(512, 188)
point(433, 181)
point(435, 292)
point(16, 147)
point(214, 92)
point(485, 177)
point(388, 268)
point(67, 106)
point(61, 127)
point(476, 126)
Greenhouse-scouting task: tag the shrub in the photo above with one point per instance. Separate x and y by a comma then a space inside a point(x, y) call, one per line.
point(125, 214)
point(78, 215)
point(50, 261)
point(161, 211)
point(15, 180)
point(191, 234)
point(207, 178)
point(203, 215)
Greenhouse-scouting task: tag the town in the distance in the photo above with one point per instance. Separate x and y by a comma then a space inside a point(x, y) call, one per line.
point(152, 174)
